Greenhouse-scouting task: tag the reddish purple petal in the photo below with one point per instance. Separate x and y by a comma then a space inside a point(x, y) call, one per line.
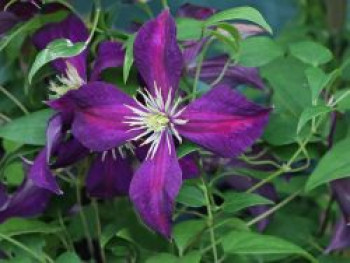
point(155, 186)
point(340, 238)
point(28, 200)
point(157, 55)
point(54, 134)
point(99, 115)
point(110, 54)
point(72, 28)
point(224, 122)
point(41, 175)
point(189, 166)
point(68, 153)
point(195, 11)
point(234, 75)
point(109, 176)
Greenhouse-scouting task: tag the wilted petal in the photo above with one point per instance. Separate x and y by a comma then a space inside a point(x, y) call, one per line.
point(155, 186)
point(71, 28)
point(110, 54)
point(109, 176)
point(341, 190)
point(157, 55)
point(340, 238)
point(28, 200)
point(195, 11)
point(224, 122)
point(234, 75)
point(54, 134)
point(100, 113)
point(68, 153)
point(41, 175)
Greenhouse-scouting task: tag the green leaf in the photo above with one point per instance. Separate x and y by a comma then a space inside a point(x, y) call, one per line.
point(186, 148)
point(185, 232)
point(70, 257)
point(258, 51)
point(129, 57)
point(14, 173)
point(335, 164)
point(248, 243)
point(59, 48)
point(19, 226)
point(239, 13)
point(191, 195)
point(29, 129)
point(311, 52)
point(310, 113)
point(344, 100)
point(162, 258)
point(189, 28)
point(237, 201)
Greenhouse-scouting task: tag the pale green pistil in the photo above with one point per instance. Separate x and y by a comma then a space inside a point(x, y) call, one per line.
point(157, 122)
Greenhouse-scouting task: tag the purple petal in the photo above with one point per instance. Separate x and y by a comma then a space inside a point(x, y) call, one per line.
point(41, 175)
point(234, 75)
point(195, 11)
point(224, 122)
point(155, 186)
point(157, 55)
point(54, 134)
point(110, 54)
point(100, 113)
point(109, 176)
point(7, 21)
point(189, 166)
point(22, 9)
point(191, 49)
point(340, 239)
point(341, 190)
point(247, 30)
point(27, 201)
point(71, 28)
point(68, 153)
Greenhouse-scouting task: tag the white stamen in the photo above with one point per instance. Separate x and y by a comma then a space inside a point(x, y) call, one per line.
point(157, 117)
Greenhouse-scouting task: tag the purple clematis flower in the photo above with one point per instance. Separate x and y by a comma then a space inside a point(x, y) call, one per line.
point(110, 174)
point(221, 121)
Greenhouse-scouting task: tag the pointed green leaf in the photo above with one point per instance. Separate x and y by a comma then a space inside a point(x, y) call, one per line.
point(129, 57)
point(237, 201)
point(310, 113)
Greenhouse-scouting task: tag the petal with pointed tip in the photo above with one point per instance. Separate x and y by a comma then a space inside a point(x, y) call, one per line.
point(224, 122)
point(54, 134)
point(157, 55)
point(155, 186)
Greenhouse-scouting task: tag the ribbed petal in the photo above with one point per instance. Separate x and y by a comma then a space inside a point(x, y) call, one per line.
point(155, 186)
point(68, 153)
point(110, 54)
point(195, 11)
point(41, 175)
point(54, 134)
point(27, 201)
point(109, 176)
point(100, 113)
point(224, 122)
point(71, 28)
point(157, 55)
point(233, 76)
point(340, 238)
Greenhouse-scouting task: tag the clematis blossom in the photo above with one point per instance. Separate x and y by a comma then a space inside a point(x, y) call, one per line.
point(222, 121)
point(110, 173)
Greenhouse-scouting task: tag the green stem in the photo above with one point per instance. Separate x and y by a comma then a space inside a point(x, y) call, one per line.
point(14, 100)
point(98, 229)
point(94, 25)
point(273, 209)
point(4, 117)
point(25, 248)
point(210, 220)
point(165, 4)
point(199, 67)
point(222, 73)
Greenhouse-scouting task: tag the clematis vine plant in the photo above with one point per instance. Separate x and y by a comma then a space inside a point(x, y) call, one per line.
point(138, 131)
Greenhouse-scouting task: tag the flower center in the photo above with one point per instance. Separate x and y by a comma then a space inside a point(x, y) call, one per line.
point(71, 81)
point(154, 117)
point(157, 122)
